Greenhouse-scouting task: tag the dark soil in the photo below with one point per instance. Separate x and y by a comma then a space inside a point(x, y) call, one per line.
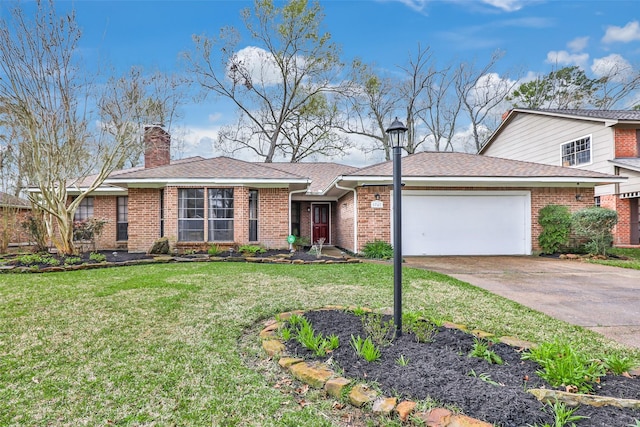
point(84, 258)
point(442, 370)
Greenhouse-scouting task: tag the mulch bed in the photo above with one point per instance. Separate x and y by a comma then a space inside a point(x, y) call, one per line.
point(442, 370)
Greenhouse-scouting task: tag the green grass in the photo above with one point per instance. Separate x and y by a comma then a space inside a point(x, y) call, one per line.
point(632, 254)
point(167, 344)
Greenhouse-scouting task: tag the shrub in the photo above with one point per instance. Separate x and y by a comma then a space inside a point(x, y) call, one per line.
point(556, 227)
point(214, 250)
point(378, 249)
point(97, 257)
point(37, 231)
point(251, 249)
point(595, 224)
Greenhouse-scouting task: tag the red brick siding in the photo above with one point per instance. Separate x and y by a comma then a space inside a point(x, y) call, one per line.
point(104, 208)
point(11, 220)
point(157, 147)
point(144, 218)
point(343, 216)
point(373, 224)
point(626, 142)
point(622, 231)
point(273, 217)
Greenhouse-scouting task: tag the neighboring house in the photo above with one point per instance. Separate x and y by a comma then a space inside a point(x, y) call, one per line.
point(600, 141)
point(13, 212)
point(453, 203)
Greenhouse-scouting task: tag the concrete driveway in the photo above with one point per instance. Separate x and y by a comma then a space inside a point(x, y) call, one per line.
point(601, 298)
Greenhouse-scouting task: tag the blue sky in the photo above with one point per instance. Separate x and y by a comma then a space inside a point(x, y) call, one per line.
point(534, 34)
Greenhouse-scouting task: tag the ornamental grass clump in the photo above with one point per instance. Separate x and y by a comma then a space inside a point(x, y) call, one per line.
point(562, 366)
point(307, 336)
point(365, 348)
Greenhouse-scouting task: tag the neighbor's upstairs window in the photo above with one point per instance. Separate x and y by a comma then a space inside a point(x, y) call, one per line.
point(578, 152)
point(191, 214)
point(220, 214)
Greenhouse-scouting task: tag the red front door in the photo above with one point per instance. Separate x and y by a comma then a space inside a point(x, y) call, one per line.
point(320, 223)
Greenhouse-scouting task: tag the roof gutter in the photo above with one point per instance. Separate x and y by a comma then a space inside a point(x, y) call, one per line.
point(355, 216)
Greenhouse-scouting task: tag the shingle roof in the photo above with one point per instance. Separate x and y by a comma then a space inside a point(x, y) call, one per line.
point(321, 174)
point(13, 201)
point(628, 162)
point(623, 115)
point(449, 164)
point(214, 168)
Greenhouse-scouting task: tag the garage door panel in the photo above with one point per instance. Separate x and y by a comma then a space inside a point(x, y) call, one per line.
point(465, 223)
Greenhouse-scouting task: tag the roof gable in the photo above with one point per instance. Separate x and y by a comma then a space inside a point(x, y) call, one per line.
point(606, 117)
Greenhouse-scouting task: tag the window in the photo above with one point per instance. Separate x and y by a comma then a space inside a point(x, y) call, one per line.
point(220, 214)
point(161, 213)
point(295, 218)
point(576, 152)
point(84, 210)
point(122, 215)
point(253, 215)
point(191, 214)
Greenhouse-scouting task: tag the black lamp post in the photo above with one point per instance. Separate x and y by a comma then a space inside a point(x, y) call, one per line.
point(396, 138)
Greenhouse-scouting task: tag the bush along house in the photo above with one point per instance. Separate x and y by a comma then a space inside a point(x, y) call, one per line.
point(453, 203)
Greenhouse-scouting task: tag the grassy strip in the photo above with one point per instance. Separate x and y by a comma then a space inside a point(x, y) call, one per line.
point(159, 344)
point(632, 254)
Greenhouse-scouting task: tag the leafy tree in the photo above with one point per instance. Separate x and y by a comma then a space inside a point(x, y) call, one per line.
point(566, 88)
point(556, 227)
point(596, 225)
point(47, 99)
point(273, 84)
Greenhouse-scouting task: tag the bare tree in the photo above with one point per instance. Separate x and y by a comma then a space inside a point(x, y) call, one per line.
point(370, 99)
point(417, 90)
point(615, 87)
point(269, 84)
point(481, 92)
point(47, 98)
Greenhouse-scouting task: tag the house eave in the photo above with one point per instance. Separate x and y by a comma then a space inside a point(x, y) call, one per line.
point(235, 182)
point(483, 181)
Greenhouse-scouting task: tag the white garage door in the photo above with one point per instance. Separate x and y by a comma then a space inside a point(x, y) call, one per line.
point(466, 223)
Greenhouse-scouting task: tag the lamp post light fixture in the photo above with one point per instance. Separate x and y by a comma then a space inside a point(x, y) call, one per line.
point(396, 138)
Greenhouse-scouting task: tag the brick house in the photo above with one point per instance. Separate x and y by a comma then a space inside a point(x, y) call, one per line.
point(594, 140)
point(13, 212)
point(453, 203)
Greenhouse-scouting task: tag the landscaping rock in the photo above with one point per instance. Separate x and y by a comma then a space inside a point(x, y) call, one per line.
point(335, 386)
point(286, 362)
point(464, 421)
point(574, 399)
point(316, 374)
point(515, 342)
point(384, 406)
point(404, 409)
point(361, 394)
point(273, 347)
point(438, 417)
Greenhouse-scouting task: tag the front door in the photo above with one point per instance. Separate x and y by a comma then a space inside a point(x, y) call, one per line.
point(635, 220)
point(320, 223)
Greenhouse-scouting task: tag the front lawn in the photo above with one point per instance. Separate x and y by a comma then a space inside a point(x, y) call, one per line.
point(165, 344)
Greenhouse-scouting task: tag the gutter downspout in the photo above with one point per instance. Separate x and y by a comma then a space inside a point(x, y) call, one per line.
point(289, 208)
point(355, 216)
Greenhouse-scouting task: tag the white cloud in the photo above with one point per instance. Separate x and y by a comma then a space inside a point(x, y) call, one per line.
point(562, 57)
point(626, 34)
point(613, 65)
point(506, 5)
point(259, 64)
point(214, 117)
point(578, 44)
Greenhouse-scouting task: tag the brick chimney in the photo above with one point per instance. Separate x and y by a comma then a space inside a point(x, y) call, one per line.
point(157, 146)
point(505, 115)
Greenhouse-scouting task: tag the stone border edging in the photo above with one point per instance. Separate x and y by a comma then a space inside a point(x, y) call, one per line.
point(168, 259)
point(320, 376)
